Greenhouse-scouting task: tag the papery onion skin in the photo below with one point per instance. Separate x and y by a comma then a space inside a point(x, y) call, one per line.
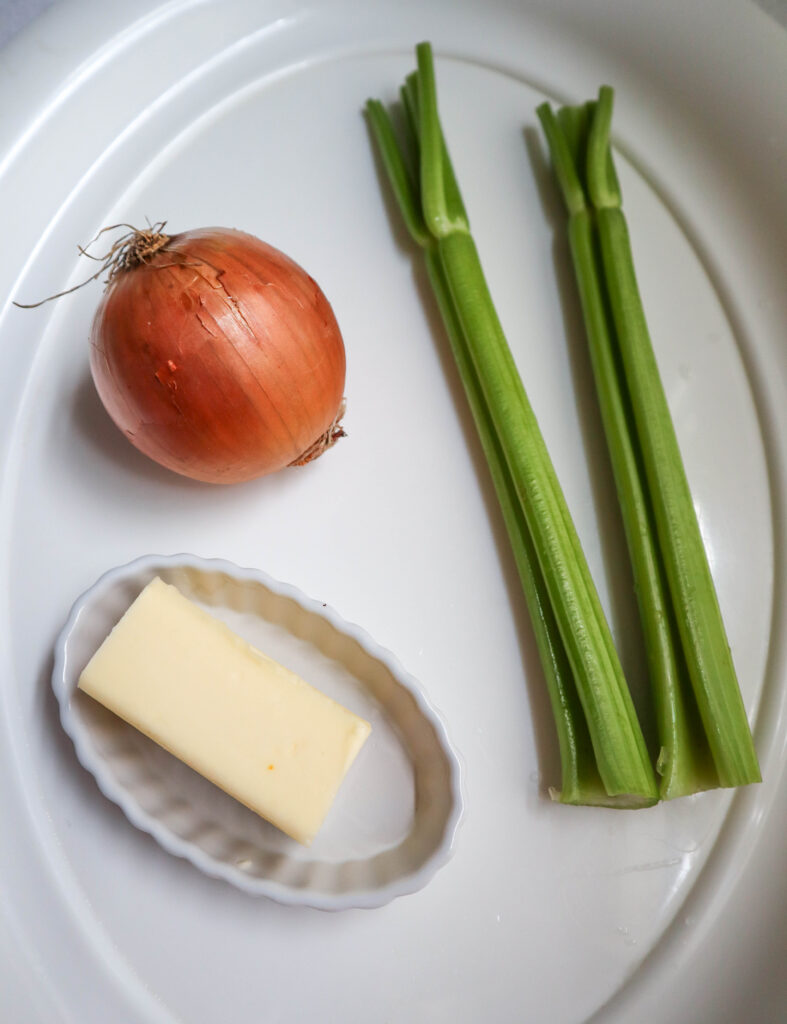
point(220, 358)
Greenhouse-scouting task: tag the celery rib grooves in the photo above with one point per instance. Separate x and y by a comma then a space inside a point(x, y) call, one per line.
point(604, 759)
point(703, 730)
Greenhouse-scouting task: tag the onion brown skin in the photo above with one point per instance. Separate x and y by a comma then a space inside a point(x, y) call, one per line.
point(218, 357)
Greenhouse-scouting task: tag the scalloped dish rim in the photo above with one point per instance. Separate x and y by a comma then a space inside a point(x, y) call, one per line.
point(80, 735)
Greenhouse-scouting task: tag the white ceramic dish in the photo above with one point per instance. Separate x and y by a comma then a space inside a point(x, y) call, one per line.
point(245, 113)
point(395, 818)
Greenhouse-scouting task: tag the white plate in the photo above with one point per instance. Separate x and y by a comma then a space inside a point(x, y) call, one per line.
point(248, 115)
point(395, 818)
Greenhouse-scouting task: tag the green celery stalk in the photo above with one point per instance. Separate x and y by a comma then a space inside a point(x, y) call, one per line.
point(688, 655)
point(705, 645)
point(683, 761)
point(580, 779)
point(616, 738)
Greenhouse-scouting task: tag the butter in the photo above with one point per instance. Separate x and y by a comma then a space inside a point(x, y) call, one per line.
point(248, 724)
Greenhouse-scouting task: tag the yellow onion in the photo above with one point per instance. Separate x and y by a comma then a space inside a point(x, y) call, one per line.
point(217, 355)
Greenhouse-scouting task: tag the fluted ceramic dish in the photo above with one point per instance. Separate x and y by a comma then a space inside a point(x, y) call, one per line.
point(394, 820)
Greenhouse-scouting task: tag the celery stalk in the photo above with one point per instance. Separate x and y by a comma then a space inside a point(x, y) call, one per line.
point(580, 782)
point(580, 779)
point(606, 707)
point(689, 660)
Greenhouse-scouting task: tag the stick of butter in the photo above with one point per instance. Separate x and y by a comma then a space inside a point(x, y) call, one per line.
point(237, 717)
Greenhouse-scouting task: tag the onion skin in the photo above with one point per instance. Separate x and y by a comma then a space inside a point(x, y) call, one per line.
point(219, 357)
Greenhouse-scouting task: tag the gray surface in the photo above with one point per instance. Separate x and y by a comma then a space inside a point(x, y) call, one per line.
point(16, 14)
point(778, 8)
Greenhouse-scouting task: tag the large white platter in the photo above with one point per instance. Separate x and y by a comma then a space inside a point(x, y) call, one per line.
point(248, 114)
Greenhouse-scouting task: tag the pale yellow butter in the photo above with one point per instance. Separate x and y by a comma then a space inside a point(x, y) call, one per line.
point(248, 724)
